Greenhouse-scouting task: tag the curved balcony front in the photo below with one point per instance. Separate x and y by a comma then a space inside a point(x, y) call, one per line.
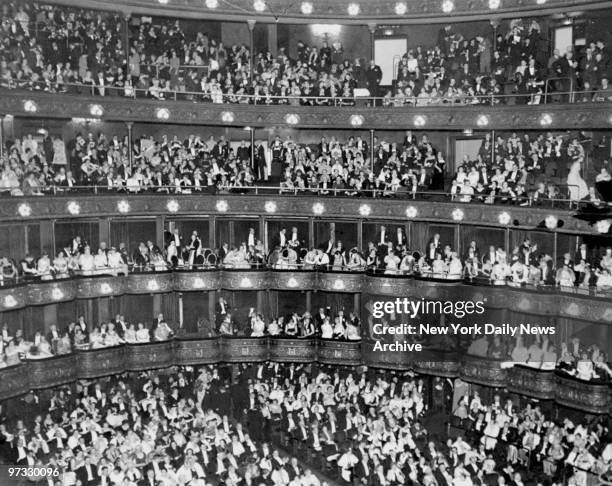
point(592, 397)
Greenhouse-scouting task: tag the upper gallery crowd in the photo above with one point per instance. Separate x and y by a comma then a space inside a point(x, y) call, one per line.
point(71, 50)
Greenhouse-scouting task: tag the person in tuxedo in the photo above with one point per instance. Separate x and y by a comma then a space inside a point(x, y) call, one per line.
point(583, 254)
point(399, 240)
point(280, 239)
point(222, 309)
point(243, 153)
point(88, 473)
point(259, 161)
point(436, 242)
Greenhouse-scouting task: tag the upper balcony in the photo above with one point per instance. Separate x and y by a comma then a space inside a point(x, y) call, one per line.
point(359, 114)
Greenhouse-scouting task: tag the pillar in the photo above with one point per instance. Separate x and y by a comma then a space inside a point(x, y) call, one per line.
point(252, 134)
point(372, 150)
point(273, 39)
point(1, 135)
point(159, 231)
point(47, 237)
point(180, 309)
point(130, 154)
point(251, 24)
point(372, 29)
point(126, 41)
point(104, 230)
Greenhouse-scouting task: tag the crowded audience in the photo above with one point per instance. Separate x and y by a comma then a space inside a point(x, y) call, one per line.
point(520, 169)
point(199, 427)
point(77, 335)
point(71, 50)
point(389, 254)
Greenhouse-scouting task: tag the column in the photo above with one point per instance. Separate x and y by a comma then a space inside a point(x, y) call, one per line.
point(130, 154)
point(212, 299)
point(273, 39)
point(357, 305)
point(372, 29)
point(252, 134)
point(104, 230)
point(126, 41)
point(311, 233)
point(159, 231)
point(372, 150)
point(360, 234)
point(1, 135)
point(180, 309)
point(251, 24)
point(309, 301)
point(212, 237)
point(493, 147)
point(47, 237)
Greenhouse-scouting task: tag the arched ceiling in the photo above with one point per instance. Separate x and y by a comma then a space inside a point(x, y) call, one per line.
point(337, 11)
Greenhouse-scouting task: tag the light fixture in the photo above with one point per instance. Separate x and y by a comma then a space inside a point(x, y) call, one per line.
point(447, 6)
point(24, 210)
point(419, 121)
point(292, 283)
point(123, 206)
point(30, 106)
point(173, 206)
point(212, 3)
point(198, 283)
point(365, 210)
point(227, 117)
point(163, 2)
point(338, 284)
point(57, 294)
point(162, 113)
point(458, 214)
point(318, 208)
point(545, 120)
point(10, 301)
point(259, 5)
point(411, 212)
point(468, 132)
point(292, 119)
point(306, 8)
point(603, 226)
point(221, 206)
point(494, 4)
point(504, 218)
point(105, 288)
point(353, 9)
point(482, 121)
point(540, 2)
point(73, 208)
point(152, 285)
point(96, 110)
point(356, 120)
point(270, 207)
point(246, 283)
point(551, 221)
point(400, 8)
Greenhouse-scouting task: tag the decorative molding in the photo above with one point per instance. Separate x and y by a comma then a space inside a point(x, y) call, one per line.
point(434, 210)
point(578, 116)
point(429, 11)
point(59, 370)
point(549, 304)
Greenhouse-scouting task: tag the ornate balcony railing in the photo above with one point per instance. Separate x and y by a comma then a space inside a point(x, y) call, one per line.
point(537, 301)
point(453, 116)
point(45, 373)
point(428, 208)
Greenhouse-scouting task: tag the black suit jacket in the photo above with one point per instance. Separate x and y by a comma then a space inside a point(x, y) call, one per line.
point(81, 474)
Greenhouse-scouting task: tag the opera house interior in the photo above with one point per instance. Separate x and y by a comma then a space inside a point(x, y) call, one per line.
point(305, 243)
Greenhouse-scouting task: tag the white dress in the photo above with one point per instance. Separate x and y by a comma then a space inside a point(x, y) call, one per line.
point(578, 189)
